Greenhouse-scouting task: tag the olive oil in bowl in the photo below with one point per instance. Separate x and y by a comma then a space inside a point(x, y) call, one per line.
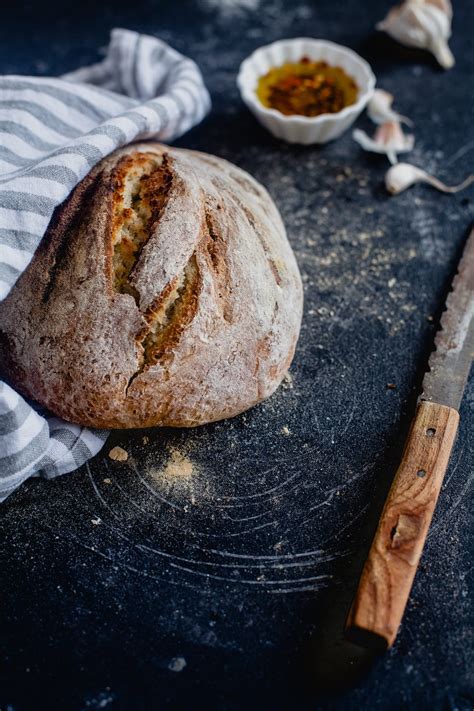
point(307, 88)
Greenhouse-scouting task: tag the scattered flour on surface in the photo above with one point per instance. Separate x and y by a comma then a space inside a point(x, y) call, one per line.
point(177, 469)
point(229, 8)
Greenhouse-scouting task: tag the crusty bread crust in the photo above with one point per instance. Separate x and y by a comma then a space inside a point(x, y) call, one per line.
point(164, 292)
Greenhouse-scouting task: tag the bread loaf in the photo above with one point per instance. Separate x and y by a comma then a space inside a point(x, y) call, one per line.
point(163, 293)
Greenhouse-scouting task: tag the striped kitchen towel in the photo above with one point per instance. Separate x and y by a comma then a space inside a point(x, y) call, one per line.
point(52, 132)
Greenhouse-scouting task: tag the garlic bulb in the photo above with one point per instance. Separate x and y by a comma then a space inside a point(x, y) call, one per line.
point(403, 175)
point(389, 139)
point(422, 23)
point(379, 109)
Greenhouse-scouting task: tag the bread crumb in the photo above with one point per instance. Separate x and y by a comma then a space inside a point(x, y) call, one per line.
point(107, 481)
point(177, 664)
point(391, 386)
point(145, 439)
point(285, 430)
point(96, 521)
point(288, 380)
point(118, 454)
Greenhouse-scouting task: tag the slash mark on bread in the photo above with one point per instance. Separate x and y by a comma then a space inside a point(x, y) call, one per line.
point(264, 350)
point(266, 250)
point(144, 185)
point(217, 249)
point(173, 310)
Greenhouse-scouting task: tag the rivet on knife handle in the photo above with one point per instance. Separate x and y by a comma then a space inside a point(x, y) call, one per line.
point(390, 568)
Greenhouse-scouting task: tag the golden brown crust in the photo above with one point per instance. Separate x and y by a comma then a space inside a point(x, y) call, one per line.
point(163, 293)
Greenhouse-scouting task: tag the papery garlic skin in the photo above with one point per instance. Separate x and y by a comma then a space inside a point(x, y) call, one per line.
point(425, 24)
point(379, 109)
point(389, 139)
point(403, 175)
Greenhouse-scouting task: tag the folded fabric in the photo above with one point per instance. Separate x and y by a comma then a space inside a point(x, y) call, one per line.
point(52, 132)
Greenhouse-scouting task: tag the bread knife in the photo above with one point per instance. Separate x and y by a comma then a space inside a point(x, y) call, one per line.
point(390, 568)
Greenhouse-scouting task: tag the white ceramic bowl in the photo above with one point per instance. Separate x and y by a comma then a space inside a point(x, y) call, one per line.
point(304, 129)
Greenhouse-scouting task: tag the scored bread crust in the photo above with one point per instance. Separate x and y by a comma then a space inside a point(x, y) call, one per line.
point(164, 292)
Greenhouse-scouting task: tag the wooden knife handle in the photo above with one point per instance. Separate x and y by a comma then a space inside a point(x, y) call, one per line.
point(388, 574)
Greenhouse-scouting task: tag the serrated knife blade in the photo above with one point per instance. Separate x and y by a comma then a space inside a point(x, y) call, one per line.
point(450, 362)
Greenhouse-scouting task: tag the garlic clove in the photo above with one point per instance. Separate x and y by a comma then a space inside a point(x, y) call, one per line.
point(403, 175)
point(443, 54)
point(425, 24)
point(438, 31)
point(379, 108)
point(402, 23)
point(389, 139)
point(443, 5)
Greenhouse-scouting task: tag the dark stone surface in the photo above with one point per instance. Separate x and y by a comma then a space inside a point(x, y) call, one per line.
point(245, 569)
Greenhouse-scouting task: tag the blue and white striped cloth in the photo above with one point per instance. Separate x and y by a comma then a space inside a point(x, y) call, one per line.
point(52, 132)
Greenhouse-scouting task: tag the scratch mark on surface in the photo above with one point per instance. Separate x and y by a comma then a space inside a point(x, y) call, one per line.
point(275, 564)
point(461, 152)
